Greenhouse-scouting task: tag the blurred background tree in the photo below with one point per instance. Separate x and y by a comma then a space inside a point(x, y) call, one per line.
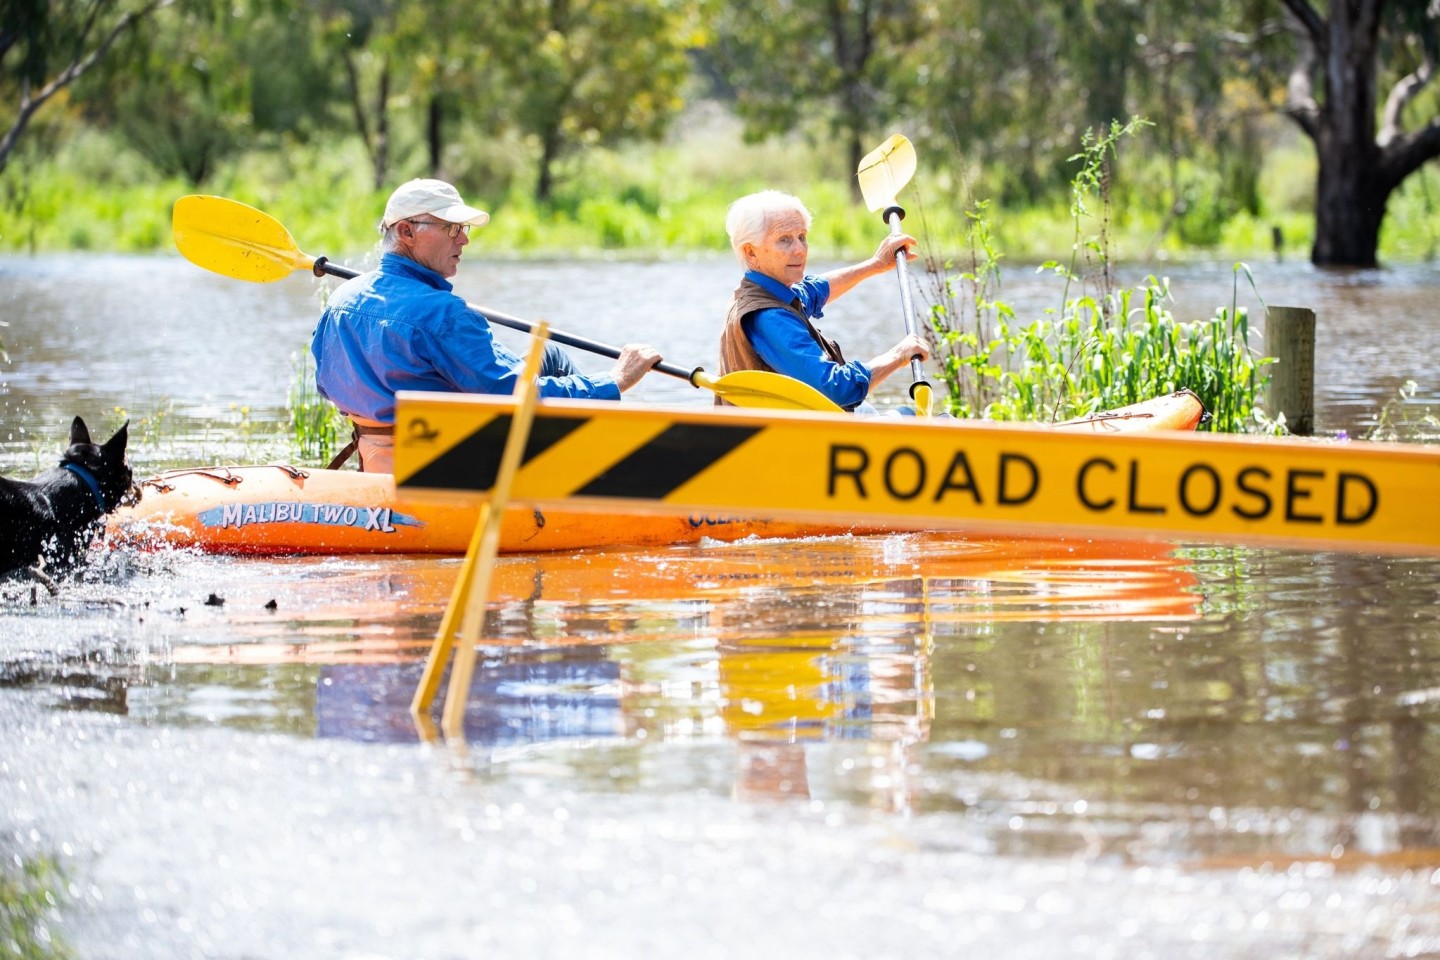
point(1341, 63)
point(46, 45)
point(525, 95)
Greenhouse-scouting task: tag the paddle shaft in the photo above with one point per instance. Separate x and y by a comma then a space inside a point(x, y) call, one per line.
point(893, 215)
point(323, 266)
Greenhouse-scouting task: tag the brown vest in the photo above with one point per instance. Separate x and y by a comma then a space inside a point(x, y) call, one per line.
point(736, 351)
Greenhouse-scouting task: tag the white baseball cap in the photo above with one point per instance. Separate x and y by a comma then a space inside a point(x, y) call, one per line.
point(435, 197)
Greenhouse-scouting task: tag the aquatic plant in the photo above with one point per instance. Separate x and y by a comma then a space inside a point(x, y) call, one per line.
point(154, 430)
point(31, 892)
point(1399, 420)
point(1103, 348)
point(316, 424)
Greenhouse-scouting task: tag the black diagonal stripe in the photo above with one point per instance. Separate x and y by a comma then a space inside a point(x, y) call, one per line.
point(653, 471)
point(474, 463)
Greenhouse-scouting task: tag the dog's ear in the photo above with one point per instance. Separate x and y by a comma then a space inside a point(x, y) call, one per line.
point(79, 433)
point(115, 446)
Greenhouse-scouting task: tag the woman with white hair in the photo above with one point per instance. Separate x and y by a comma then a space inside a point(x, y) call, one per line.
point(770, 324)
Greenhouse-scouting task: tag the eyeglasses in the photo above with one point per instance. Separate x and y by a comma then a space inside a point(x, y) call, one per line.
point(452, 230)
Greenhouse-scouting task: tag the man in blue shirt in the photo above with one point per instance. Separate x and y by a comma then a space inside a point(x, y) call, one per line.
point(769, 326)
point(401, 327)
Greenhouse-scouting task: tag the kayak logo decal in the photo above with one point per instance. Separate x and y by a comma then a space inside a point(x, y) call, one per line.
point(367, 519)
point(420, 431)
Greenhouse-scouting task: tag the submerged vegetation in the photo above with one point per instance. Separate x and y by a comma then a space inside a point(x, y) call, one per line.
point(1401, 421)
point(316, 424)
point(1104, 347)
point(31, 894)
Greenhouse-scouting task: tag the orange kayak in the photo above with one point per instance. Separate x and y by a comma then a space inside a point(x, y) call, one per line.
point(1181, 410)
point(280, 509)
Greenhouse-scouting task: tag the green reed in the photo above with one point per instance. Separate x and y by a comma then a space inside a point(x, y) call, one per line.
point(153, 430)
point(1401, 420)
point(32, 892)
point(316, 424)
point(1104, 347)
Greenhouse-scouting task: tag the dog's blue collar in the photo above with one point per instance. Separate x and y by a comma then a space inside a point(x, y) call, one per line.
point(90, 482)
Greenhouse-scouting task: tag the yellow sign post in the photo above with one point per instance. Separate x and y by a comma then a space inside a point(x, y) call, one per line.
point(915, 473)
point(472, 587)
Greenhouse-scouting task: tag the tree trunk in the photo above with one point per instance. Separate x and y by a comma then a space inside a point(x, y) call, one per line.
point(433, 137)
point(1350, 204)
point(857, 153)
point(549, 152)
point(1359, 166)
point(381, 157)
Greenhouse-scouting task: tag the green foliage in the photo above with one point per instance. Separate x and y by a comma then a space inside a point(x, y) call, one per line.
point(1401, 420)
point(522, 94)
point(843, 64)
point(31, 891)
point(1100, 350)
point(590, 73)
point(93, 192)
point(180, 95)
point(315, 423)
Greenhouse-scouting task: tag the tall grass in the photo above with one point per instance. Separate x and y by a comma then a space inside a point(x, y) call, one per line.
point(1401, 420)
point(1098, 350)
point(316, 424)
point(33, 890)
point(82, 189)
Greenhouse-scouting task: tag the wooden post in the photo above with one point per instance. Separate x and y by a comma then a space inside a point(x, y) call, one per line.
point(472, 588)
point(1290, 338)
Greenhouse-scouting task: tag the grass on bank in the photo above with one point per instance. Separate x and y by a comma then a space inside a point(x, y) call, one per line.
point(670, 200)
point(86, 191)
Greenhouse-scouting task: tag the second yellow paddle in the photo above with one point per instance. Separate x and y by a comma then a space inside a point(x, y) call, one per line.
point(883, 173)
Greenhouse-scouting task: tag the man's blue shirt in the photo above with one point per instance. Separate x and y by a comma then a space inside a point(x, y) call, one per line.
point(401, 327)
point(782, 341)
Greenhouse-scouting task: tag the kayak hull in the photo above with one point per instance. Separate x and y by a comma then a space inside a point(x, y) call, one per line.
point(279, 509)
point(1181, 410)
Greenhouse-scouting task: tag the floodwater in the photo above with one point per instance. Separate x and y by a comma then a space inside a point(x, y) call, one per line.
point(909, 745)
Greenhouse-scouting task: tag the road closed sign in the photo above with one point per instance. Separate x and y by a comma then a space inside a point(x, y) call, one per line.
point(917, 473)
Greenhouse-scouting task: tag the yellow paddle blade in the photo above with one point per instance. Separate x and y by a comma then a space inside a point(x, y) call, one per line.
point(923, 398)
point(771, 391)
point(885, 170)
point(235, 240)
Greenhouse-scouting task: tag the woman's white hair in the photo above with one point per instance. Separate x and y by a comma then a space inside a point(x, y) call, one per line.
point(750, 217)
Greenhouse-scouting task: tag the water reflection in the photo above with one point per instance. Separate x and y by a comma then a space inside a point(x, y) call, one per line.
point(1138, 705)
point(1241, 725)
point(774, 646)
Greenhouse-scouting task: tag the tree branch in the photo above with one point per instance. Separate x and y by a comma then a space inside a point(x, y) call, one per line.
point(1313, 23)
point(1406, 153)
point(1300, 104)
point(74, 70)
point(1405, 90)
point(357, 102)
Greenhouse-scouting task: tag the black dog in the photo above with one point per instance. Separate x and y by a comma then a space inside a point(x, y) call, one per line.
point(48, 524)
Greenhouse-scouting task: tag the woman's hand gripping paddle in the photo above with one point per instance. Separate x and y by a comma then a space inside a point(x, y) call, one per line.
point(883, 173)
point(236, 240)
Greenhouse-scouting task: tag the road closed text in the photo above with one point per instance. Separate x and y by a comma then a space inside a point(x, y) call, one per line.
point(1108, 486)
